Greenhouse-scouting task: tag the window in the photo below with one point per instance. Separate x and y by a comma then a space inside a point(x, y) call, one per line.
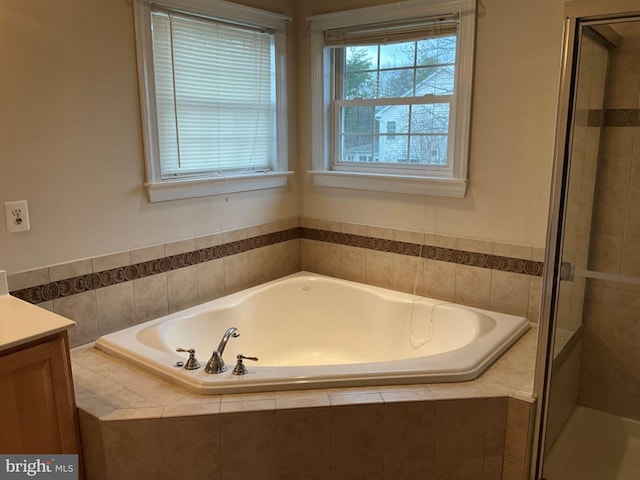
point(392, 88)
point(212, 83)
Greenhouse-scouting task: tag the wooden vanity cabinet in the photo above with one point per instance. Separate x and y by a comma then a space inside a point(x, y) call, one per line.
point(37, 403)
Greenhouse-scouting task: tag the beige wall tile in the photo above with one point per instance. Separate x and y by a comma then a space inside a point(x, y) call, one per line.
point(327, 256)
point(413, 471)
point(535, 298)
point(444, 241)
point(513, 470)
point(130, 450)
point(210, 276)
point(191, 447)
point(461, 429)
point(473, 286)
point(380, 232)
point(475, 245)
point(517, 432)
point(82, 309)
point(182, 288)
point(407, 273)
point(304, 440)
point(510, 293)
point(248, 444)
point(439, 279)
point(207, 241)
point(379, 269)
point(410, 433)
point(606, 253)
point(150, 297)
point(92, 446)
point(236, 272)
point(116, 309)
point(28, 278)
point(369, 472)
point(514, 251)
point(496, 427)
point(354, 228)
point(492, 468)
point(459, 469)
point(608, 217)
point(70, 270)
point(631, 257)
point(353, 263)
point(114, 260)
point(145, 254)
point(616, 153)
point(357, 437)
point(181, 246)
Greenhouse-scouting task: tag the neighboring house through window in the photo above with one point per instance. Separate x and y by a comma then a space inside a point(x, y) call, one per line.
point(212, 79)
point(392, 97)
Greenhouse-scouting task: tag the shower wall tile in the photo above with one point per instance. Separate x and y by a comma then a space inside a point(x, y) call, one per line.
point(535, 298)
point(210, 279)
point(623, 92)
point(616, 154)
point(609, 212)
point(182, 288)
point(150, 296)
point(115, 306)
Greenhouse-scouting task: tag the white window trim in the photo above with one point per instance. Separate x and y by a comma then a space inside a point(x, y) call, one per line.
point(161, 190)
point(321, 148)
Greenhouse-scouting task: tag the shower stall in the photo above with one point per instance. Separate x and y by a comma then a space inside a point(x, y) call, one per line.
point(589, 366)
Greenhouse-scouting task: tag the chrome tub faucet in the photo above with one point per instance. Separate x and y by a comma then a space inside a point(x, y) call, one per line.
point(216, 363)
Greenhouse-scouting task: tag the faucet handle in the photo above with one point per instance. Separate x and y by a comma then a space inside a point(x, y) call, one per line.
point(240, 369)
point(192, 361)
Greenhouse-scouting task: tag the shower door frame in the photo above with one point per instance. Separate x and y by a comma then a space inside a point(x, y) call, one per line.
point(577, 13)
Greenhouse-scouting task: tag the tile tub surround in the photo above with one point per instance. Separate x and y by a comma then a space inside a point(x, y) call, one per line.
point(137, 426)
point(111, 292)
point(495, 276)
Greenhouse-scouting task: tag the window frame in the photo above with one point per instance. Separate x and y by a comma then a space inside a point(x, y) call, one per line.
point(324, 115)
point(171, 189)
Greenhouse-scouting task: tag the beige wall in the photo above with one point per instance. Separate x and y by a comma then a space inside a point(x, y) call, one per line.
point(71, 141)
point(517, 64)
point(71, 144)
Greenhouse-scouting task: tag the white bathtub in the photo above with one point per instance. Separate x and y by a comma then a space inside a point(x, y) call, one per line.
point(311, 331)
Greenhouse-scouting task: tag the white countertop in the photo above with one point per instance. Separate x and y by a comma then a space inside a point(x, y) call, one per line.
point(22, 322)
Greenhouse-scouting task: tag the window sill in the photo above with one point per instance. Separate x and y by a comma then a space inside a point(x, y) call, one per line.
point(413, 185)
point(202, 187)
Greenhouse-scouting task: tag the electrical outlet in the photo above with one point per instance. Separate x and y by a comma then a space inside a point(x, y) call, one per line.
point(17, 216)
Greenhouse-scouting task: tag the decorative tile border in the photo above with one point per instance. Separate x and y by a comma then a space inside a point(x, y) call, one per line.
point(482, 260)
point(621, 117)
point(93, 281)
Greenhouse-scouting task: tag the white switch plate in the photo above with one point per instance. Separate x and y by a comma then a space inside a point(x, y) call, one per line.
point(17, 216)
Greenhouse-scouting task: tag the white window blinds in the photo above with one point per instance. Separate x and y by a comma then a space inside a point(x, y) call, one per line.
point(215, 96)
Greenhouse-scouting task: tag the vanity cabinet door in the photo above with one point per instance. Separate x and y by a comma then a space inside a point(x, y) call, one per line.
point(37, 406)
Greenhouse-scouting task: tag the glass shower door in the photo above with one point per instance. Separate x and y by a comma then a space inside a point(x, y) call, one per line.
point(589, 367)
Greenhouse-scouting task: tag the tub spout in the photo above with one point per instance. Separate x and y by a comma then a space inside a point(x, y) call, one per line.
point(216, 363)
